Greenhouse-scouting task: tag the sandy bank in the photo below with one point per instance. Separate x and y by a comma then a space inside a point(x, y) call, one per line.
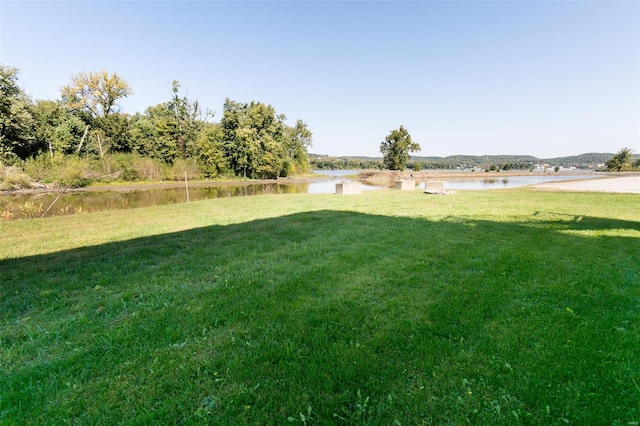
point(622, 184)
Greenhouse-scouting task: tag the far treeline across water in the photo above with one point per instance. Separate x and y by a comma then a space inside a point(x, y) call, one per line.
point(591, 161)
point(84, 134)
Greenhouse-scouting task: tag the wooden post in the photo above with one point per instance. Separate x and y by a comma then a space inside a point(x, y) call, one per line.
point(60, 194)
point(100, 145)
point(83, 136)
point(51, 152)
point(186, 185)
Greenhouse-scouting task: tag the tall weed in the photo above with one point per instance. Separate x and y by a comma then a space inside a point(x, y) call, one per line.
point(62, 169)
point(13, 178)
point(149, 168)
point(119, 166)
point(180, 166)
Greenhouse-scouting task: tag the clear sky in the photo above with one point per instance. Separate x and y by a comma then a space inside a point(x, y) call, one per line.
point(545, 78)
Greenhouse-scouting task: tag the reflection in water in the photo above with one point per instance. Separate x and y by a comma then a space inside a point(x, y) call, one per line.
point(29, 206)
point(510, 182)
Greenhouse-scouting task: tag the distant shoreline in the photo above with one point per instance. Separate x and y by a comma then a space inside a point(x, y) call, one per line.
point(366, 175)
point(420, 176)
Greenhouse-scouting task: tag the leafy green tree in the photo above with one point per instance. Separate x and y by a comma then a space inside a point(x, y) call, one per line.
point(396, 147)
point(211, 155)
point(258, 143)
point(169, 130)
point(298, 139)
point(56, 130)
point(143, 134)
point(16, 120)
point(188, 120)
point(243, 151)
point(153, 134)
point(622, 159)
point(93, 97)
point(253, 137)
point(114, 131)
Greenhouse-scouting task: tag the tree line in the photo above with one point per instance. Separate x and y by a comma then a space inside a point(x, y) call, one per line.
point(624, 159)
point(325, 162)
point(85, 126)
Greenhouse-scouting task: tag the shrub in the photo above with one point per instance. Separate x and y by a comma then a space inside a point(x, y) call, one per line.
point(8, 158)
point(63, 169)
point(40, 167)
point(74, 171)
point(31, 210)
point(119, 166)
point(7, 215)
point(13, 177)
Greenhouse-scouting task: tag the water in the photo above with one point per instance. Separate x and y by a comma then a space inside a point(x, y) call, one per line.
point(16, 206)
point(471, 183)
point(328, 186)
point(507, 182)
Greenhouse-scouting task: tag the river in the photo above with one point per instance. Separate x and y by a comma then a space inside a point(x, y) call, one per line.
point(18, 206)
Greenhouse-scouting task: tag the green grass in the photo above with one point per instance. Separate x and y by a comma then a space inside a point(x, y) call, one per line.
point(389, 307)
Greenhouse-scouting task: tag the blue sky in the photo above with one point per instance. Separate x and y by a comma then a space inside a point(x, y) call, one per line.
point(545, 78)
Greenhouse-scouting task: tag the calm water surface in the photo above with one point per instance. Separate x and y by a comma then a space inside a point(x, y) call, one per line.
point(508, 182)
point(16, 206)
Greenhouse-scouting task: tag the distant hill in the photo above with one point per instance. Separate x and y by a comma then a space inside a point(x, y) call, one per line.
point(583, 161)
point(591, 158)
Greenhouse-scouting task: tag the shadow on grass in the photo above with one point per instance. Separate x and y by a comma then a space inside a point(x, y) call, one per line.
point(330, 317)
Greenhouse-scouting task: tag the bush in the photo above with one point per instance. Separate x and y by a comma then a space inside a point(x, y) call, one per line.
point(8, 158)
point(119, 166)
point(13, 178)
point(31, 210)
point(39, 168)
point(115, 166)
point(63, 169)
point(288, 168)
point(74, 171)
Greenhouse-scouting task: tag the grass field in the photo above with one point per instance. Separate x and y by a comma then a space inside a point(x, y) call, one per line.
point(389, 307)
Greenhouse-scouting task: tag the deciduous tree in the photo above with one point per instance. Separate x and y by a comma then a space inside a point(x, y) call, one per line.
point(253, 139)
point(169, 130)
point(93, 97)
point(95, 92)
point(298, 139)
point(16, 120)
point(622, 159)
point(396, 147)
point(211, 157)
point(56, 130)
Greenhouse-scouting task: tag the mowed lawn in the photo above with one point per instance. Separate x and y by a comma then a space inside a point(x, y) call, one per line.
point(388, 307)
